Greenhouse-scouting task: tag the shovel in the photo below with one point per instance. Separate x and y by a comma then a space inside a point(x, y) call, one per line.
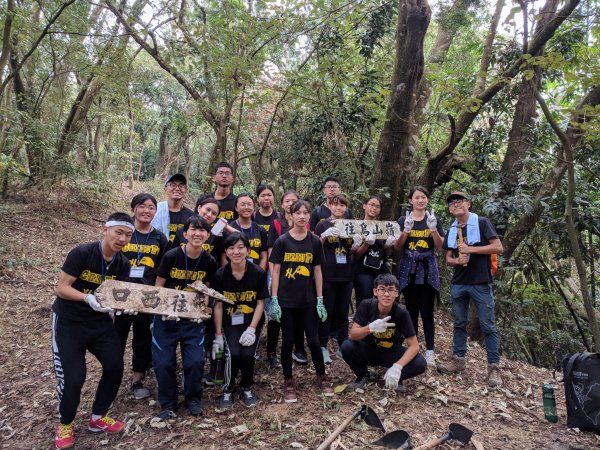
point(456, 432)
point(365, 413)
point(396, 439)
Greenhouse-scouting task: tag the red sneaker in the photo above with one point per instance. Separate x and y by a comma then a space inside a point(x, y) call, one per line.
point(63, 438)
point(107, 424)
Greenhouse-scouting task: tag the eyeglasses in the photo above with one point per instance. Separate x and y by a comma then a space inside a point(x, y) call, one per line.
point(457, 202)
point(177, 186)
point(146, 207)
point(374, 205)
point(332, 186)
point(382, 290)
point(221, 173)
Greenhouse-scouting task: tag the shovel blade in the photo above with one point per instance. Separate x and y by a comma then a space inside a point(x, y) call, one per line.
point(370, 417)
point(460, 433)
point(395, 439)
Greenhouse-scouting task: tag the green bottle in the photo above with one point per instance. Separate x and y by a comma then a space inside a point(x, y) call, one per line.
point(549, 403)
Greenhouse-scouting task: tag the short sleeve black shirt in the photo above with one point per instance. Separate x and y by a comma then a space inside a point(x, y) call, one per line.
point(335, 247)
point(177, 221)
point(296, 277)
point(212, 245)
point(173, 269)
point(368, 311)
point(226, 206)
point(420, 239)
point(146, 250)
point(245, 292)
point(266, 221)
point(86, 264)
point(373, 262)
point(273, 234)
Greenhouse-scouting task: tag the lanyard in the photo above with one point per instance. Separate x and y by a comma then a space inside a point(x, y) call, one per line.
point(185, 282)
point(244, 231)
point(139, 253)
point(104, 270)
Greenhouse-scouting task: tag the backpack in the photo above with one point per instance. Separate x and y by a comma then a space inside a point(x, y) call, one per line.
point(582, 390)
point(494, 259)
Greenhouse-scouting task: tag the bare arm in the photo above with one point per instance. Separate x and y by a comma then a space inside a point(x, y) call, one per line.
point(358, 333)
point(258, 312)
point(65, 289)
point(160, 282)
point(495, 246)
point(275, 279)
point(262, 262)
point(412, 349)
point(319, 281)
point(218, 317)
point(401, 240)
point(452, 261)
point(438, 240)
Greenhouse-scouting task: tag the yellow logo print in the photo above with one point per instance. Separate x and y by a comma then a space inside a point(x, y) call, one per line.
point(300, 270)
point(253, 254)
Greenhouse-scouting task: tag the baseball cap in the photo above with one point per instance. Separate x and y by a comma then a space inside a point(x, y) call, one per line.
point(457, 195)
point(176, 177)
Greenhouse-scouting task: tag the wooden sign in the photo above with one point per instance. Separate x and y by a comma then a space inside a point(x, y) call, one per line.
point(204, 289)
point(152, 300)
point(382, 229)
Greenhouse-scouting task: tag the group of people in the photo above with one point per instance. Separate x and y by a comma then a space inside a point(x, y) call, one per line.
point(289, 272)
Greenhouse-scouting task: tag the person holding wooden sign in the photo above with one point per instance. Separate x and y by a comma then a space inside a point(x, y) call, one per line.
point(297, 295)
point(179, 268)
point(418, 271)
point(81, 324)
point(238, 326)
point(370, 255)
point(338, 275)
point(144, 252)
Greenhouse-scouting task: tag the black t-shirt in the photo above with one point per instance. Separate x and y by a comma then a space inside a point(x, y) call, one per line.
point(296, 277)
point(245, 292)
point(177, 221)
point(257, 237)
point(146, 250)
point(273, 234)
point(173, 269)
point(368, 311)
point(226, 205)
point(266, 221)
point(86, 264)
point(479, 267)
point(336, 248)
point(322, 212)
point(420, 238)
point(212, 245)
point(374, 261)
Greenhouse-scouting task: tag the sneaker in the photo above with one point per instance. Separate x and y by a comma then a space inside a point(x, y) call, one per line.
point(64, 438)
point(250, 398)
point(494, 376)
point(430, 357)
point(138, 390)
point(325, 385)
point(326, 357)
point(359, 384)
point(274, 362)
point(105, 423)
point(300, 357)
point(455, 365)
point(166, 414)
point(226, 402)
point(401, 389)
point(195, 407)
point(289, 391)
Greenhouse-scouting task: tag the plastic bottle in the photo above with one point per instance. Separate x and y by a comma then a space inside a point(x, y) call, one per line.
point(549, 403)
point(218, 369)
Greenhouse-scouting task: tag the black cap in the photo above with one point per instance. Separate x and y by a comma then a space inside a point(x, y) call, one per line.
point(177, 177)
point(456, 195)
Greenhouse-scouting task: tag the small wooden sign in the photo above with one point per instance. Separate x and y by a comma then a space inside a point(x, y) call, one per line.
point(152, 300)
point(382, 229)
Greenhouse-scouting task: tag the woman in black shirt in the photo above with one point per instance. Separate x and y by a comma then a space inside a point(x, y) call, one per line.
point(244, 206)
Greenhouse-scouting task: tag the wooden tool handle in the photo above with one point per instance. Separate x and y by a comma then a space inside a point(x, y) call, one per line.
point(432, 444)
point(327, 442)
point(460, 240)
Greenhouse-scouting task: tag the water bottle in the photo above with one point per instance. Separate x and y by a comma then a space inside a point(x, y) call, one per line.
point(549, 403)
point(218, 369)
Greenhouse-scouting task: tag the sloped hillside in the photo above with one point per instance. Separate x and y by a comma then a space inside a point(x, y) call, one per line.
point(34, 241)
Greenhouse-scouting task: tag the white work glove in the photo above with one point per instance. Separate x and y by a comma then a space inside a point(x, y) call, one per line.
point(333, 231)
point(196, 320)
point(408, 222)
point(171, 317)
point(91, 300)
point(392, 376)
point(370, 239)
point(391, 241)
point(248, 337)
point(356, 241)
point(128, 312)
point(218, 345)
point(380, 325)
point(431, 220)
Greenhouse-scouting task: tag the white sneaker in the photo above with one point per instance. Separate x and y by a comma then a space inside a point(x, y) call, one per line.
point(326, 357)
point(430, 357)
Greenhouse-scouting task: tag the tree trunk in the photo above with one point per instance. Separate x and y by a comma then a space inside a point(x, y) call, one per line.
point(162, 168)
point(394, 144)
point(486, 57)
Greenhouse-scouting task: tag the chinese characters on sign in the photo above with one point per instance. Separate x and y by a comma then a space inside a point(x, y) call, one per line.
point(381, 229)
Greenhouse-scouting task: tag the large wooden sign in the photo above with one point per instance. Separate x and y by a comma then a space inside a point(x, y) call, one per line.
point(156, 300)
point(382, 229)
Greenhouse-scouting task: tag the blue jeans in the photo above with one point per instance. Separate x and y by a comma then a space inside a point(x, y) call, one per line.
point(482, 296)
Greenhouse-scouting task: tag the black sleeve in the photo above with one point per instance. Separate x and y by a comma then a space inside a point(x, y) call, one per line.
point(404, 323)
point(277, 252)
point(322, 226)
point(319, 254)
point(74, 263)
point(440, 230)
point(217, 284)
point(263, 239)
point(124, 268)
point(487, 230)
point(263, 289)
point(211, 268)
point(314, 219)
point(178, 239)
point(272, 236)
point(350, 216)
point(361, 316)
point(166, 264)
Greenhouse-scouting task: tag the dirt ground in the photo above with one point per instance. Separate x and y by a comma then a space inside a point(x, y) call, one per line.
point(34, 240)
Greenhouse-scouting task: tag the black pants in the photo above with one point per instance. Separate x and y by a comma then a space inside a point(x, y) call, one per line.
point(304, 319)
point(273, 329)
point(239, 357)
point(70, 342)
point(336, 298)
point(363, 286)
point(359, 356)
point(141, 343)
point(420, 298)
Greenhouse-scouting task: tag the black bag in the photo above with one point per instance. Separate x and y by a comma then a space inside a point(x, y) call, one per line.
point(582, 390)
